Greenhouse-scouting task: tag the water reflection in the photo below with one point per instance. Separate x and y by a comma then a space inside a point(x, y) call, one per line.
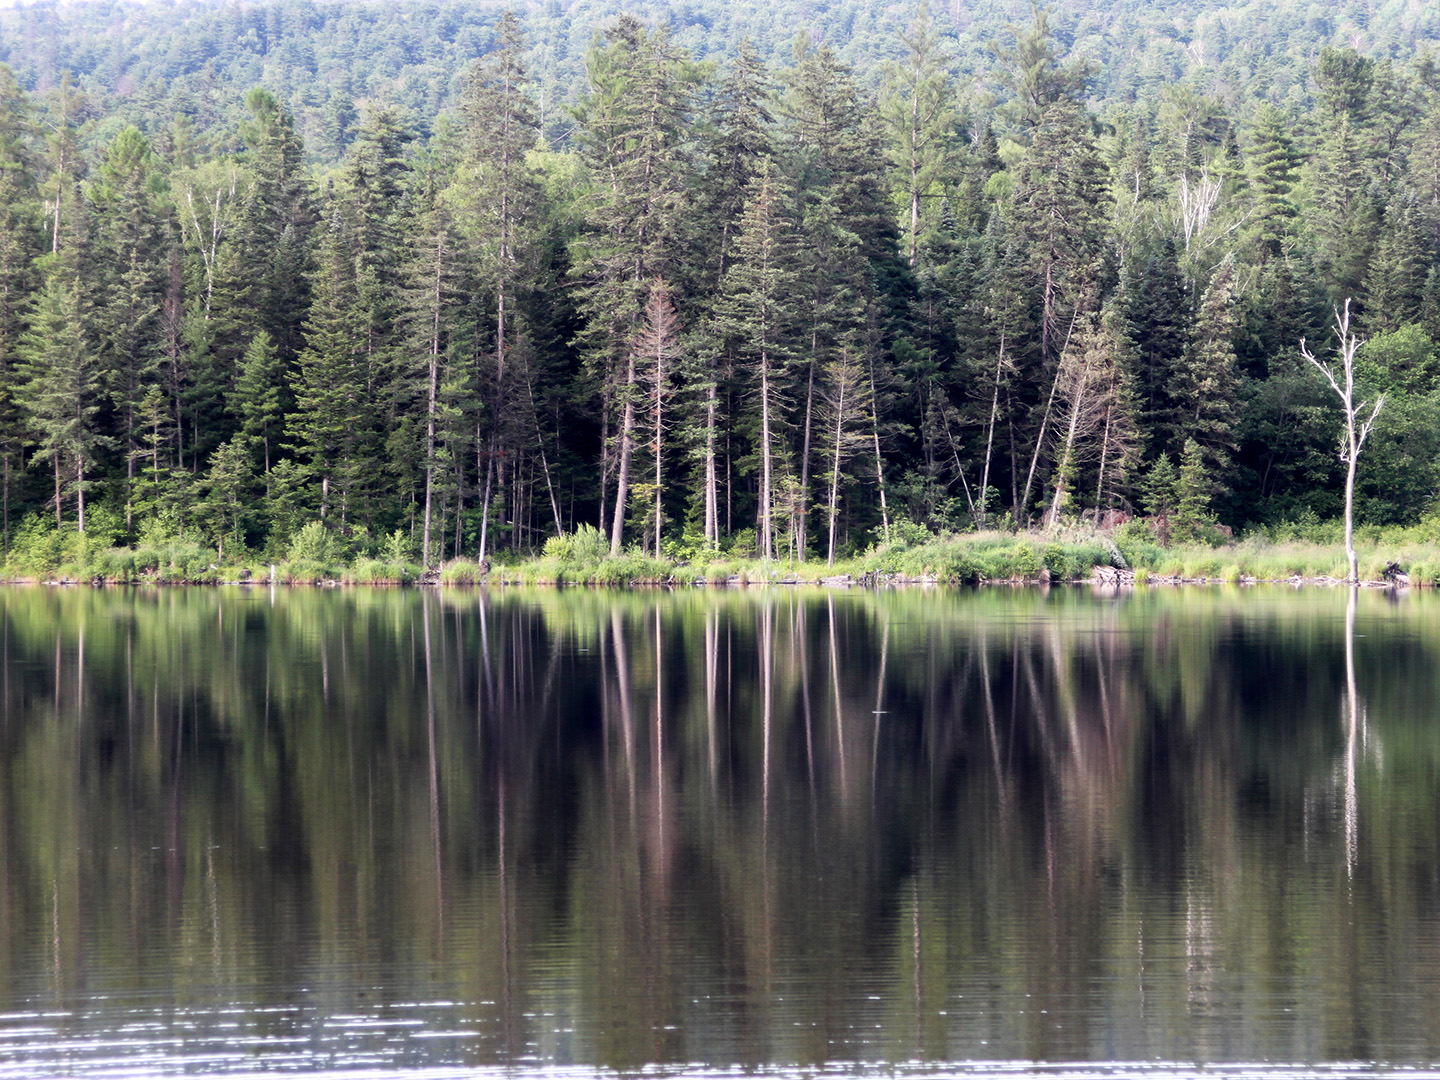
point(403, 829)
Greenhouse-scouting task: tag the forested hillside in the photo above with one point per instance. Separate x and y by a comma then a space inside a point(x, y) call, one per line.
point(443, 278)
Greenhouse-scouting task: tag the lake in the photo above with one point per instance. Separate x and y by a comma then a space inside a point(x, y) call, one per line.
point(709, 832)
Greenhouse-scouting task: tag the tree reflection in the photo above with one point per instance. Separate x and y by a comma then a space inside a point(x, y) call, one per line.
point(742, 828)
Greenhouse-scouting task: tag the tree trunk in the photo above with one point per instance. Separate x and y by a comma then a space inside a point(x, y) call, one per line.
point(712, 522)
point(990, 437)
point(835, 472)
point(659, 435)
point(622, 478)
point(879, 460)
point(802, 511)
point(434, 389)
point(767, 536)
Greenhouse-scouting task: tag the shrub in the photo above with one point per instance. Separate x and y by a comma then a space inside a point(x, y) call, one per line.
point(313, 544)
point(1024, 563)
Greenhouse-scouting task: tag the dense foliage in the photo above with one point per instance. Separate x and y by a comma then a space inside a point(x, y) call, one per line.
point(770, 299)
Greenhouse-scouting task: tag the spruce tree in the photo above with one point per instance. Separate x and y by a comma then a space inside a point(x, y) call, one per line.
point(131, 292)
point(1207, 391)
point(1273, 167)
point(328, 378)
point(922, 122)
point(1157, 311)
point(1395, 277)
point(62, 385)
point(1342, 219)
point(20, 243)
point(497, 196)
point(756, 317)
point(258, 398)
point(633, 131)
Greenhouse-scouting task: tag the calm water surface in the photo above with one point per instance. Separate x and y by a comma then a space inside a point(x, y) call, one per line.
point(467, 833)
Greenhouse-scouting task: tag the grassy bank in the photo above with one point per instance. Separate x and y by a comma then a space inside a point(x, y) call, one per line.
point(1306, 552)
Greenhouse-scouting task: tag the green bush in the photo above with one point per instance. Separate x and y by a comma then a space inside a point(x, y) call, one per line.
point(313, 544)
point(1024, 561)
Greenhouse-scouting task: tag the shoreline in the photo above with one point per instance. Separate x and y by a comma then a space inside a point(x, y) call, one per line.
point(1104, 578)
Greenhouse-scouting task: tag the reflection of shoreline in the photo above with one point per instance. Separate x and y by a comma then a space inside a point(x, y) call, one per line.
point(797, 827)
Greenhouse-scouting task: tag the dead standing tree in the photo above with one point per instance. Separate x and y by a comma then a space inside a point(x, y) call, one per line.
point(1356, 430)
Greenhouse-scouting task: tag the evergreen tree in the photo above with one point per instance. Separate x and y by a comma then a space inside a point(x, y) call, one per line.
point(1342, 217)
point(1192, 494)
point(1034, 74)
point(273, 261)
point(1207, 394)
point(633, 134)
point(433, 287)
point(1157, 312)
point(920, 115)
point(499, 195)
point(756, 317)
point(328, 378)
point(62, 387)
point(1057, 215)
point(20, 242)
point(132, 249)
point(1158, 489)
point(1395, 277)
point(258, 398)
point(1274, 170)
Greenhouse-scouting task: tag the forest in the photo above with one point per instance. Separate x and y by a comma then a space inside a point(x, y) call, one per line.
point(429, 281)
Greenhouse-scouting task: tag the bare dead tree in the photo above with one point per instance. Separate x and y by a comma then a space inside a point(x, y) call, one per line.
point(1356, 429)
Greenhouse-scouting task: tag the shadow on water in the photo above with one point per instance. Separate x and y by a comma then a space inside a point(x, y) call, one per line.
point(922, 831)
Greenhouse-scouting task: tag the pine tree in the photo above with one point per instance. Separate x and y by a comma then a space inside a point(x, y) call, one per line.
point(1057, 218)
point(846, 402)
point(258, 397)
point(132, 286)
point(328, 380)
point(20, 242)
point(278, 218)
point(227, 484)
point(922, 122)
point(1342, 219)
point(1157, 312)
point(633, 134)
point(657, 347)
point(1207, 391)
point(742, 120)
point(69, 113)
point(62, 387)
point(755, 317)
point(1274, 170)
point(497, 193)
point(1395, 277)
point(1192, 493)
point(432, 292)
point(1032, 71)
point(1158, 488)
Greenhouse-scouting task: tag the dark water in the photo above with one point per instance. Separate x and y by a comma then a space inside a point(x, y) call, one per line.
point(367, 832)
